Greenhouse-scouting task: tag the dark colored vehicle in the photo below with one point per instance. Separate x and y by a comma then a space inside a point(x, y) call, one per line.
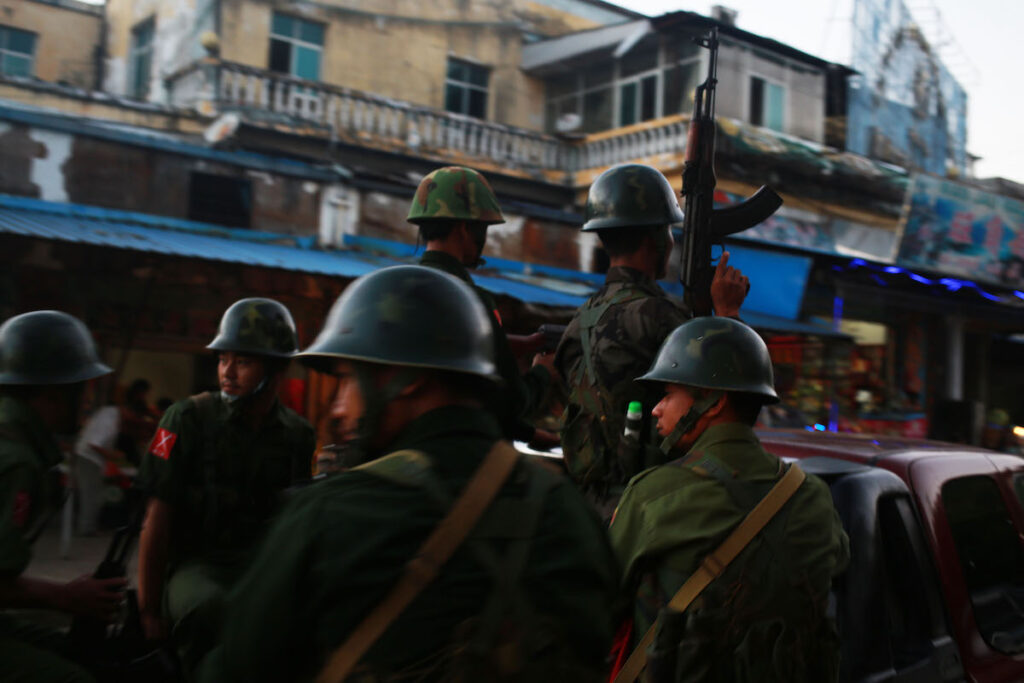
point(935, 586)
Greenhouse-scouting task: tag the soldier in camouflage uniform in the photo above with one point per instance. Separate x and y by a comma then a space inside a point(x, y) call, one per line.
point(616, 333)
point(453, 207)
point(46, 357)
point(764, 618)
point(215, 471)
point(525, 597)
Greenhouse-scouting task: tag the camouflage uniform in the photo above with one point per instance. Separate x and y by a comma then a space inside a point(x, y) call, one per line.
point(455, 193)
point(613, 338)
point(634, 316)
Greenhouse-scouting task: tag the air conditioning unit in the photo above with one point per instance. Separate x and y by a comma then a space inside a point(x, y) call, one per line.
point(567, 123)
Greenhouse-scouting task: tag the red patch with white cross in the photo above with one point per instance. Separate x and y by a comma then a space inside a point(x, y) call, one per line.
point(22, 507)
point(162, 444)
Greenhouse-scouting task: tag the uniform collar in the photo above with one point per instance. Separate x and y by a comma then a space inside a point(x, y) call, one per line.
point(442, 260)
point(443, 422)
point(276, 414)
point(25, 420)
point(719, 434)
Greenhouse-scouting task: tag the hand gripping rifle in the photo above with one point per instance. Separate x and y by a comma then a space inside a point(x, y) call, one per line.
point(704, 225)
point(119, 652)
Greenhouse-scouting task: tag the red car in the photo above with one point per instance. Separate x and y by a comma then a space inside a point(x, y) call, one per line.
point(935, 586)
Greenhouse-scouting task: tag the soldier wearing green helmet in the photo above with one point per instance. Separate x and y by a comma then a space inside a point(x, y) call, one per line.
point(714, 375)
point(526, 596)
point(617, 332)
point(46, 358)
point(453, 207)
point(215, 472)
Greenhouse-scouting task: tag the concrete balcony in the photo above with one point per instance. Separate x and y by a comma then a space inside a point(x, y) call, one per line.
point(212, 87)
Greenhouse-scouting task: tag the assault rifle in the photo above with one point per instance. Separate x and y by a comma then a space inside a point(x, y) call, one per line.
point(119, 652)
point(703, 225)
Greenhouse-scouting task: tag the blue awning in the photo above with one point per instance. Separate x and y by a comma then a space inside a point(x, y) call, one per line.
point(188, 239)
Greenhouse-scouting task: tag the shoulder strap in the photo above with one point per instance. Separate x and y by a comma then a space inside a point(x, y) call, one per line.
point(715, 563)
point(424, 566)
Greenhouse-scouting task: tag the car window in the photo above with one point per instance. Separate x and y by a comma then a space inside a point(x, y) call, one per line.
point(991, 557)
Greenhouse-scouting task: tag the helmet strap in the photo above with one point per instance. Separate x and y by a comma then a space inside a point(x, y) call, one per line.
point(689, 421)
point(375, 400)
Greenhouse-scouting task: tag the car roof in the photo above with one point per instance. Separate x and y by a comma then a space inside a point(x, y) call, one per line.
point(898, 453)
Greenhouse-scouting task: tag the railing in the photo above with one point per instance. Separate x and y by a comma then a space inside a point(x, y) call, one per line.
point(360, 117)
point(213, 86)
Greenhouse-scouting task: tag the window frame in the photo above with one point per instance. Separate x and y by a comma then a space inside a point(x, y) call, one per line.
point(137, 90)
point(615, 85)
point(466, 86)
point(751, 75)
point(295, 42)
point(6, 30)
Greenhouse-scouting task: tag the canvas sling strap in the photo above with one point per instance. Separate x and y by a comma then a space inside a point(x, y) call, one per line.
point(424, 566)
point(715, 563)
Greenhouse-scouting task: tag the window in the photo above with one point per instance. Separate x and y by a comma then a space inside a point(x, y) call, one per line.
point(767, 103)
point(221, 200)
point(17, 50)
point(466, 88)
point(296, 46)
point(141, 59)
point(991, 558)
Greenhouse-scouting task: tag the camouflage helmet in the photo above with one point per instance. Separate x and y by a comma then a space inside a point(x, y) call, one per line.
point(261, 327)
point(455, 193)
point(47, 347)
point(407, 316)
point(715, 353)
point(631, 195)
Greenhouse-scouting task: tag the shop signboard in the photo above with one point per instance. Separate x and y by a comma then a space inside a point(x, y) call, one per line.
point(962, 231)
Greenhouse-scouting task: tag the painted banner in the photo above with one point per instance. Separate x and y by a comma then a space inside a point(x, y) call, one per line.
point(959, 230)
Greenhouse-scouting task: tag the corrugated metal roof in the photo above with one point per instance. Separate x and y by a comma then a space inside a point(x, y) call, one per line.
point(188, 239)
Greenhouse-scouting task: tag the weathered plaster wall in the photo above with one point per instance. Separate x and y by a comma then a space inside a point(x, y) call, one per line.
point(401, 49)
point(66, 38)
point(64, 168)
point(178, 26)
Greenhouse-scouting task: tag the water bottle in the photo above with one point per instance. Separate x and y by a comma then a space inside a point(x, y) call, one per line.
point(634, 415)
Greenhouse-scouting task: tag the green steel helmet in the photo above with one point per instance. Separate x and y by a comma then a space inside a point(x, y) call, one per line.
point(715, 353)
point(455, 193)
point(407, 316)
point(261, 327)
point(47, 347)
point(631, 195)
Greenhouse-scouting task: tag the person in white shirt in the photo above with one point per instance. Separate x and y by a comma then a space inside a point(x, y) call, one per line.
point(96, 444)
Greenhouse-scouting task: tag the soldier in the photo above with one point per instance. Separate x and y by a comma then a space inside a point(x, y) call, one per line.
point(46, 358)
point(527, 594)
point(215, 471)
point(616, 333)
point(764, 617)
point(453, 207)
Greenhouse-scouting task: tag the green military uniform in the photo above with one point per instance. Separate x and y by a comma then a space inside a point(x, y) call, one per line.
point(764, 618)
point(223, 481)
point(29, 495)
point(342, 544)
point(522, 395)
point(610, 342)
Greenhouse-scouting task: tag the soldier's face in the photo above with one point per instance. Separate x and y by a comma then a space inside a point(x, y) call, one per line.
point(671, 408)
point(663, 249)
point(239, 374)
point(348, 406)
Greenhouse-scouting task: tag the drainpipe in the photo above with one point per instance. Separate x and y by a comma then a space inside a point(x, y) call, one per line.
point(99, 53)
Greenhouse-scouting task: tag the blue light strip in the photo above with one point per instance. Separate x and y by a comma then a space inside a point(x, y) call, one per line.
point(951, 284)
